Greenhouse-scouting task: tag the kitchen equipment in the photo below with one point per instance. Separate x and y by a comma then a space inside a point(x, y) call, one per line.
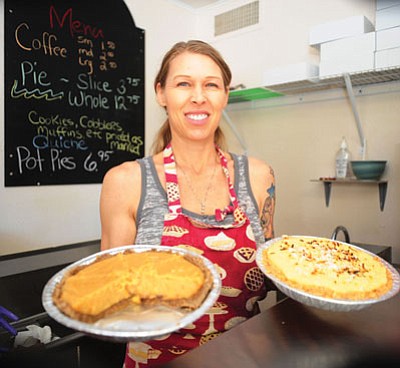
point(67, 349)
point(368, 169)
point(8, 315)
point(342, 229)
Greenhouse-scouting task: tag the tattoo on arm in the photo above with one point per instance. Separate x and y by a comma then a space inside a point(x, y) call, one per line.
point(268, 214)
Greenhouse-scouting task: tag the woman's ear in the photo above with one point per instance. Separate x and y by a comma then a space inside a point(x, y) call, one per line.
point(226, 97)
point(160, 95)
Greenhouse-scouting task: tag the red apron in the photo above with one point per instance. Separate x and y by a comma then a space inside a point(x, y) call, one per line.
point(231, 247)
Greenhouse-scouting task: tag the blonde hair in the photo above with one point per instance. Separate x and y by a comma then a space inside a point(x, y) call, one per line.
point(164, 136)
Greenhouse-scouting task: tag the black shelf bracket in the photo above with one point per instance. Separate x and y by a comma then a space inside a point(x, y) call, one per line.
point(382, 194)
point(328, 187)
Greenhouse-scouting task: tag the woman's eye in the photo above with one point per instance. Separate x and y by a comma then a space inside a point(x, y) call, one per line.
point(183, 84)
point(212, 85)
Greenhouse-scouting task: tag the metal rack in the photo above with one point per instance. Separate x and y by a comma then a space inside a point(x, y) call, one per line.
point(340, 81)
point(337, 81)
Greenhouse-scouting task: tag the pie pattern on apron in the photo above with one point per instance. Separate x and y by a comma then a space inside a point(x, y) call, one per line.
point(231, 247)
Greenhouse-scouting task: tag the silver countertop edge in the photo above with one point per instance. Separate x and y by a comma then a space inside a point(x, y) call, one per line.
point(47, 258)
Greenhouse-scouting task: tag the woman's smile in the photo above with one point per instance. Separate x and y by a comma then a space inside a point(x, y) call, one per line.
point(197, 118)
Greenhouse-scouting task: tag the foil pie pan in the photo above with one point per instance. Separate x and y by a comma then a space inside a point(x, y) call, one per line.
point(337, 305)
point(135, 323)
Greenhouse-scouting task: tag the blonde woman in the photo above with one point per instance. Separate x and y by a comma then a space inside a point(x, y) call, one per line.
point(219, 194)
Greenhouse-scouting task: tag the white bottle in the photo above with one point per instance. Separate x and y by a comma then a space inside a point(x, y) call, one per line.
point(342, 160)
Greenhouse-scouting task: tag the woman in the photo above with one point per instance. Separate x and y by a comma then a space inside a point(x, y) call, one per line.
point(205, 190)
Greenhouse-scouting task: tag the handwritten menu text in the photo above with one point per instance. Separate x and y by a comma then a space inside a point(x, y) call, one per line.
point(74, 91)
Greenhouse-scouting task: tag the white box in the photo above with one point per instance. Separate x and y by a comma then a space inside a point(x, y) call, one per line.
point(361, 44)
point(348, 55)
point(388, 18)
point(290, 73)
point(350, 65)
point(387, 58)
point(341, 28)
point(388, 38)
point(382, 4)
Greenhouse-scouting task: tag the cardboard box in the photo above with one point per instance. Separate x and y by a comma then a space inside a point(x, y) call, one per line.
point(388, 17)
point(290, 73)
point(352, 54)
point(387, 58)
point(388, 38)
point(341, 28)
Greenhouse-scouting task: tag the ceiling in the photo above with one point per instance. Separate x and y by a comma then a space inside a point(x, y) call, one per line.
point(196, 4)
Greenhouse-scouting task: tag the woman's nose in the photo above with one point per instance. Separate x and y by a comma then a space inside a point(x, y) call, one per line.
point(198, 95)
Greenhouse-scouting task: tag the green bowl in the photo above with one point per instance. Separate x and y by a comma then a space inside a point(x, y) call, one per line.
point(368, 169)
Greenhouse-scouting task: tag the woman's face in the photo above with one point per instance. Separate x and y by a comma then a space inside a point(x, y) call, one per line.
point(194, 96)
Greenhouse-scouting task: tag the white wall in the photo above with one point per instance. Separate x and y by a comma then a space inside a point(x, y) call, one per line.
point(299, 140)
point(282, 36)
point(40, 217)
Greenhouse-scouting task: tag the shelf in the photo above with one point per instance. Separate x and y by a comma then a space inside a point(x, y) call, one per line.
point(316, 84)
point(251, 94)
point(382, 184)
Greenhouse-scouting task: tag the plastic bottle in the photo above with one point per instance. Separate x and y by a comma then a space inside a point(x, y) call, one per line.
point(342, 160)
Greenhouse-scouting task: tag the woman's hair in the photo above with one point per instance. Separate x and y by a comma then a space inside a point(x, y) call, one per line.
point(163, 136)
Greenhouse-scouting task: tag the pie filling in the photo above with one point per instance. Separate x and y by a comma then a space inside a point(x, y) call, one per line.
point(327, 268)
point(113, 282)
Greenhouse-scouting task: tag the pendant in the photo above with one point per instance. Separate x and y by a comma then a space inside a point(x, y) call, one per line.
point(202, 208)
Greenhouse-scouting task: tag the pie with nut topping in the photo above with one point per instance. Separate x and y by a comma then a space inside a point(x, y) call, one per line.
point(327, 268)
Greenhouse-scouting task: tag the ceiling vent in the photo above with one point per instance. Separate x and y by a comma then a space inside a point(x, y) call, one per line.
point(236, 19)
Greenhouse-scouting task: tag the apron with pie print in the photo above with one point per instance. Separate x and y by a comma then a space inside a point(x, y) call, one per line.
point(231, 247)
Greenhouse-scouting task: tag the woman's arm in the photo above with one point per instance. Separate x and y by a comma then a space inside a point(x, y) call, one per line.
point(262, 181)
point(120, 196)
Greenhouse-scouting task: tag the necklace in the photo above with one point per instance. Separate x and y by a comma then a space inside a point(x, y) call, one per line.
point(204, 200)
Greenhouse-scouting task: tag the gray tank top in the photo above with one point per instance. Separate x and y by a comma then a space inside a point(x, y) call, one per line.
point(153, 203)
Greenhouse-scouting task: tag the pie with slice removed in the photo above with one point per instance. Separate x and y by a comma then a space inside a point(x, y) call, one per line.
point(113, 282)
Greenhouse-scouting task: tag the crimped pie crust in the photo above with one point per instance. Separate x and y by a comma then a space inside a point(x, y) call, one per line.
point(327, 268)
point(124, 288)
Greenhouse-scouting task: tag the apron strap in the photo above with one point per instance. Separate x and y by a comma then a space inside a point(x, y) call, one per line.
point(172, 187)
point(171, 181)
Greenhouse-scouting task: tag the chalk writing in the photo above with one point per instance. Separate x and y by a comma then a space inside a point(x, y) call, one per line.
point(74, 26)
point(37, 80)
point(74, 88)
point(107, 56)
point(45, 44)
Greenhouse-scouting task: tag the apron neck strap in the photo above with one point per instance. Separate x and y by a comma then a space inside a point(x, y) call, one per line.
point(172, 187)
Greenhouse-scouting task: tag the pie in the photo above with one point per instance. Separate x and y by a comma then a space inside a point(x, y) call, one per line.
point(327, 268)
point(115, 281)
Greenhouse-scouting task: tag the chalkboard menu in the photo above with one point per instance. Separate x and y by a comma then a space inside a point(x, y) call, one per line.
point(74, 90)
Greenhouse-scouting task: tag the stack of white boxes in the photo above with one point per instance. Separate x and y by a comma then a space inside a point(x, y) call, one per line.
point(387, 52)
point(352, 44)
point(346, 45)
